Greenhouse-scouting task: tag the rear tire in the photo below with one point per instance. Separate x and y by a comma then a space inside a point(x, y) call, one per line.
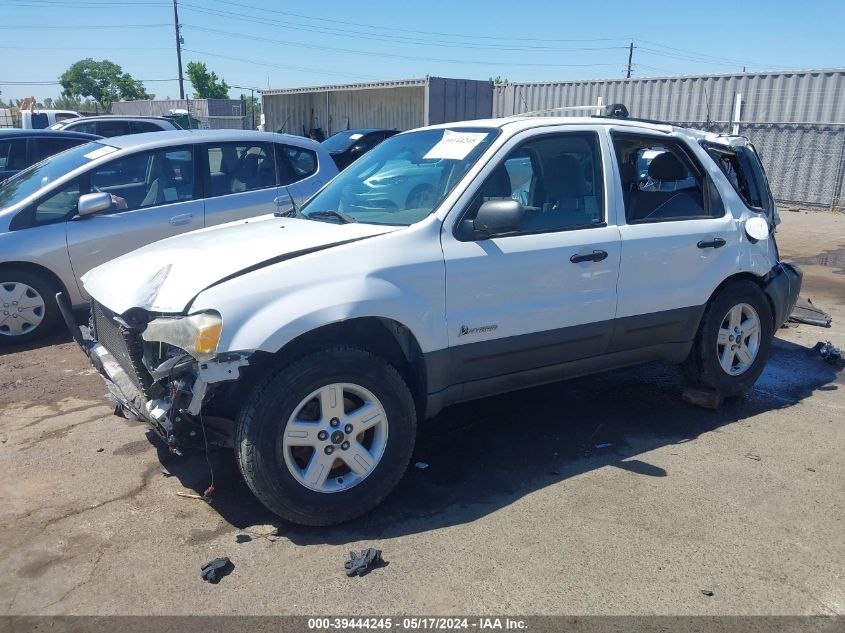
point(733, 341)
point(288, 408)
point(28, 308)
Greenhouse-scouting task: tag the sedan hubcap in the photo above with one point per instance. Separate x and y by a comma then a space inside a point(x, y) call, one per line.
point(335, 437)
point(738, 341)
point(21, 308)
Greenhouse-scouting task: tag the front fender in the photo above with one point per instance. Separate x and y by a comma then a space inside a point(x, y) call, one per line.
point(298, 311)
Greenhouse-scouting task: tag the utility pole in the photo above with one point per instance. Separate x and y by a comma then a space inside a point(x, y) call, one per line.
point(178, 50)
point(630, 52)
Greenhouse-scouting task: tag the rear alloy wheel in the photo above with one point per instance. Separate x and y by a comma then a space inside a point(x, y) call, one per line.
point(27, 306)
point(327, 437)
point(733, 341)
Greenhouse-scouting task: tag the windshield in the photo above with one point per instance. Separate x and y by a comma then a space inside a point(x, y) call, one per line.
point(27, 182)
point(403, 179)
point(342, 141)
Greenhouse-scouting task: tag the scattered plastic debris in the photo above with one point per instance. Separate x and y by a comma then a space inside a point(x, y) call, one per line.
point(100, 450)
point(421, 465)
point(363, 563)
point(756, 458)
point(190, 495)
point(707, 592)
point(702, 398)
point(812, 470)
point(604, 445)
point(216, 569)
point(830, 354)
point(806, 312)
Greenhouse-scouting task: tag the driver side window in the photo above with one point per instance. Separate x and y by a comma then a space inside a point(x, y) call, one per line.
point(557, 179)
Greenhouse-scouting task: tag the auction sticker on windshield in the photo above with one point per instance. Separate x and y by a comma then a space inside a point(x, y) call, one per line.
point(105, 150)
point(455, 145)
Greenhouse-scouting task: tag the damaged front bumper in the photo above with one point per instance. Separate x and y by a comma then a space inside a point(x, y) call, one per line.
point(171, 396)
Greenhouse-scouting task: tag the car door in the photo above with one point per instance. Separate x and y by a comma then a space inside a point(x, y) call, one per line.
point(678, 242)
point(544, 293)
point(300, 171)
point(241, 181)
point(154, 197)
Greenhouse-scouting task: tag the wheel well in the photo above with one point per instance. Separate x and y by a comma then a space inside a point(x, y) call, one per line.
point(759, 281)
point(36, 269)
point(383, 337)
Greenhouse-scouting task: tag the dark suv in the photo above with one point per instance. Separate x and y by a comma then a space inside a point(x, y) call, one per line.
point(348, 146)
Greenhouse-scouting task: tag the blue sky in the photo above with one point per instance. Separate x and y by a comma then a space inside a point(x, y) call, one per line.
point(261, 43)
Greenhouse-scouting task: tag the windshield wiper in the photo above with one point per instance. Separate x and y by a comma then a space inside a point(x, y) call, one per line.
point(344, 218)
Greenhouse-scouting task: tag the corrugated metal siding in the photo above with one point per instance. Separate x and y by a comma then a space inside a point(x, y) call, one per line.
point(458, 100)
point(391, 108)
point(812, 96)
point(200, 108)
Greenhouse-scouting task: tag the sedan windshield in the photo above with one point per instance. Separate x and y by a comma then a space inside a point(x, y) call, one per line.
point(403, 179)
point(29, 181)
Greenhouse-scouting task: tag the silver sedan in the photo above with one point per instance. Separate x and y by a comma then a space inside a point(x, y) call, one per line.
point(83, 207)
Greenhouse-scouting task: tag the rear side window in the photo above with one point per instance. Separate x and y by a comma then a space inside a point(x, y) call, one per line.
point(45, 147)
point(13, 154)
point(743, 170)
point(112, 128)
point(299, 162)
point(88, 127)
point(140, 127)
point(660, 182)
point(239, 167)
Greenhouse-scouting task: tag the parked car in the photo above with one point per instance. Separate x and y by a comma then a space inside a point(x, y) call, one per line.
point(21, 148)
point(349, 145)
point(110, 125)
point(315, 344)
point(34, 119)
point(78, 209)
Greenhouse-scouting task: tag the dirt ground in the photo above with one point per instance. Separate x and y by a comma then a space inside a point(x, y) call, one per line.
point(518, 512)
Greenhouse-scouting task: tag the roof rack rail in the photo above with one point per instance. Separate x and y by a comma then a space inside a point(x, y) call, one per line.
point(619, 111)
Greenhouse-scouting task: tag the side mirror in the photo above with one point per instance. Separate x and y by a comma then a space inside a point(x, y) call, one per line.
point(92, 203)
point(498, 216)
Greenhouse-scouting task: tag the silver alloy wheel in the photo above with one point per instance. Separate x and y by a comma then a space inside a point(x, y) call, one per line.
point(738, 341)
point(21, 308)
point(335, 437)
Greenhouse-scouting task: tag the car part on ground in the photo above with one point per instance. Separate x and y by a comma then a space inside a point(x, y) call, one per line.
point(805, 311)
point(315, 350)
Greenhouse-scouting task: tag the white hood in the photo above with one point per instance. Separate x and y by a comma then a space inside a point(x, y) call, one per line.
point(165, 276)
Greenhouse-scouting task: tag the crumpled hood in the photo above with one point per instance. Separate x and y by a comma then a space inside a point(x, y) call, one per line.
point(165, 276)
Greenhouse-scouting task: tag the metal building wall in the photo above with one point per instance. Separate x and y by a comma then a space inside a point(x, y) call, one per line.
point(813, 96)
point(402, 105)
point(457, 100)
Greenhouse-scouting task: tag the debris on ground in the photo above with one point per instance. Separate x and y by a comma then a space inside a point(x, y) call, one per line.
point(805, 311)
point(830, 354)
point(243, 538)
point(707, 592)
point(421, 465)
point(812, 470)
point(363, 563)
point(702, 398)
point(206, 496)
point(100, 450)
point(216, 569)
point(756, 458)
point(604, 445)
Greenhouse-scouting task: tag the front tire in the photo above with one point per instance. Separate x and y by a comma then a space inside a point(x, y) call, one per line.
point(326, 438)
point(28, 308)
point(734, 340)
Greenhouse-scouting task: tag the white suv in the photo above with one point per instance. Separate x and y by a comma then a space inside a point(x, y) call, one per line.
point(313, 341)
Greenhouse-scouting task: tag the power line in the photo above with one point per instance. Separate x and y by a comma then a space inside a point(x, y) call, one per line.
point(54, 82)
point(386, 55)
point(279, 66)
point(388, 38)
point(80, 27)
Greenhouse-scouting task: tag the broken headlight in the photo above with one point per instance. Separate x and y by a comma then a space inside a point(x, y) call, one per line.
point(197, 334)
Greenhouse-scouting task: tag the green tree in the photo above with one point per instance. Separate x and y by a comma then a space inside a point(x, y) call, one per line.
point(104, 81)
point(497, 80)
point(206, 84)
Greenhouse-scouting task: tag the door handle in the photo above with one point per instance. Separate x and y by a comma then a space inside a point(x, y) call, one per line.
point(716, 242)
point(595, 256)
point(179, 220)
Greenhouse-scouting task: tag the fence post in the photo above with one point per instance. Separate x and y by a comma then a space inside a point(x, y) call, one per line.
point(836, 199)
